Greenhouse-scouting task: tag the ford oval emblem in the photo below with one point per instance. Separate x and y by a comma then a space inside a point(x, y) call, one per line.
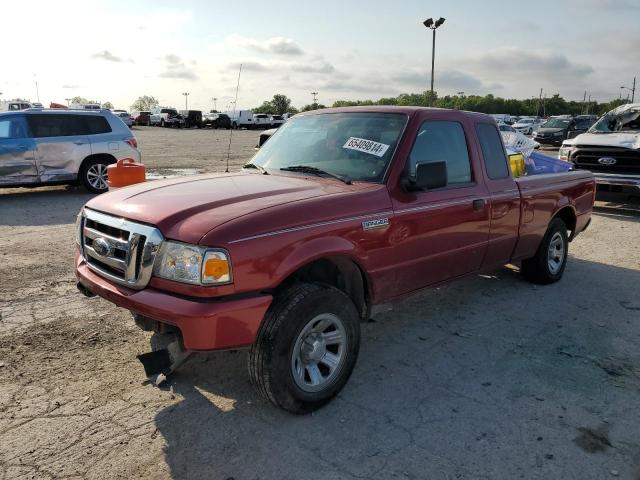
point(607, 161)
point(101, 247)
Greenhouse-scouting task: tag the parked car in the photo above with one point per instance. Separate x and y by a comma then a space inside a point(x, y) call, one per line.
point(141, 118)
point(13, 105)
point(276, 121)
point(610, 148)
point(527, 125)
point(192, 118)
point(44, 147)
point(264, 136)
point(85, 106)
point(125, 117)
point(166, 117)
point(261, 120)
point(340, 214)
point(216, 120)
point(554, 131)
point(582, 124)
point(503, 127)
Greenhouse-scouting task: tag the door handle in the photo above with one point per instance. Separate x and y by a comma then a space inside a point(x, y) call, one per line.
point(478, 204)
point(78, 143)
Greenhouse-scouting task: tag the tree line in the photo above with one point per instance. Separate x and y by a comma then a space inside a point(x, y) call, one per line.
point(554, 105)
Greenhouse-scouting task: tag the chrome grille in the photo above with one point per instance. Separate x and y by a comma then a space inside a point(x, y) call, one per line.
point(118, 249)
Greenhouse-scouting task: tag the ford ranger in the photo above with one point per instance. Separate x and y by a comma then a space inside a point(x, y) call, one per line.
point(341, 213)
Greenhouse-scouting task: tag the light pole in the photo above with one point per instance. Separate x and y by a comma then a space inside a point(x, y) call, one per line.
point(186, 94)
point(215, 107)
point(314, 94)
point(632, 89)
point(429, 23)
point(68, 101)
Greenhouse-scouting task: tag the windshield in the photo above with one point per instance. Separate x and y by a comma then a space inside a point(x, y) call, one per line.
point(357, 146)
point(628, 121)
point(556, 123)
point(526, 120)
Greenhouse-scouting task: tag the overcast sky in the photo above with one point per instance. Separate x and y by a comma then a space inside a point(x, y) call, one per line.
point(119, 50)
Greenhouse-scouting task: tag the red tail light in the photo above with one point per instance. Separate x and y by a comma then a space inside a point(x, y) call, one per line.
point(133, 143)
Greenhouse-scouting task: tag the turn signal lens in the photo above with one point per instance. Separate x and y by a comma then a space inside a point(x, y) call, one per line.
point(217, 268)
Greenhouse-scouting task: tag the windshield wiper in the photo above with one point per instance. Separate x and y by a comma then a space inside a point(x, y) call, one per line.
point(260, 168)
point(314, 170)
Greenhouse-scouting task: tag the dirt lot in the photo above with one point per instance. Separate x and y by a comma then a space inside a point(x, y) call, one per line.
point(490, 377)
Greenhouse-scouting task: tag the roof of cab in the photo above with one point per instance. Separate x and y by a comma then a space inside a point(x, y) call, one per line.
point(407, 110)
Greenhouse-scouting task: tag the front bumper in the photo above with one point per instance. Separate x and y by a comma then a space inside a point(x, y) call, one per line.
point(613, 179)
point(205, 324)
point(549, 140)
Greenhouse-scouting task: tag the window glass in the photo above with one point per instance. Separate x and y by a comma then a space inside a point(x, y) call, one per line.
point(358, 146)
point(56, 125)
point(12, 128)
point(495, 159)
point(97, 124)
point(442, 141)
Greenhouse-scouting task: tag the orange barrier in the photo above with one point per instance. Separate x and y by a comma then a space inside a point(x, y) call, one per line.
point(125, 172)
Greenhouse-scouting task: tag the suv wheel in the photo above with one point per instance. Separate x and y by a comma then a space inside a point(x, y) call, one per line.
point(548, 265)
point(93, 175)
point(306, 347)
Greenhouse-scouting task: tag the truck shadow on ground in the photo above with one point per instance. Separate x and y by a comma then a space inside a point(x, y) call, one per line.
point(487, 378)
point(41, 206)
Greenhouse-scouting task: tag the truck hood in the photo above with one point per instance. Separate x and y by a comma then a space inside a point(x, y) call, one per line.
point(187, 208)
point(618, 139)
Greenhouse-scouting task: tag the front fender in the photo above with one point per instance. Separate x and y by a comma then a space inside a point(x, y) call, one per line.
point(306, 252)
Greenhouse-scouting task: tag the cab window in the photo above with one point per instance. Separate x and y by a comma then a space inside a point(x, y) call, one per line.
point(442, 141)
point(493, 153)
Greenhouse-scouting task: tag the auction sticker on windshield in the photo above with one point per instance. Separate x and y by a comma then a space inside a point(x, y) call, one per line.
point(366, 146)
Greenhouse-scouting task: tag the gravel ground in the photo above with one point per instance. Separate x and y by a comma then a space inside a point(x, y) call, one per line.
point(489, 377)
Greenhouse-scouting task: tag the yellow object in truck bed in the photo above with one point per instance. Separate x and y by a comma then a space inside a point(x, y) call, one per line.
point(516, 164)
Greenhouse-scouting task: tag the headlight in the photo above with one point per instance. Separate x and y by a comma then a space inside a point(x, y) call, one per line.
point(535, 134)
point(186, 263)
point(79, 227)
point(563, 153)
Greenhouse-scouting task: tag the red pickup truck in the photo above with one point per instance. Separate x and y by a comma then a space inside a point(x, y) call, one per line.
point(341, 212)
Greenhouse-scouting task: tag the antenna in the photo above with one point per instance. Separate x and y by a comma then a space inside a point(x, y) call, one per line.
point(234, 116)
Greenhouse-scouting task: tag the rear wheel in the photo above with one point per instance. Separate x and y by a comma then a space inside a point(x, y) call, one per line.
point(306, 348)
point(93, 175)
point(549, 262)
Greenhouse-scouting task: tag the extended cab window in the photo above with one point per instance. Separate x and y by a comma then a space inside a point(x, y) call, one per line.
point(442, 141)
point(354, 145)
point(11, 128)
point(495, 159)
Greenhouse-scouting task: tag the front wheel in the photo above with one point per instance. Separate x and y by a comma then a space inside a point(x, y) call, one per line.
point(306, 347)
point(549, 262)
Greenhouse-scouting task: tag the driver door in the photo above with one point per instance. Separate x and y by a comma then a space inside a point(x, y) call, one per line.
point(17, 152)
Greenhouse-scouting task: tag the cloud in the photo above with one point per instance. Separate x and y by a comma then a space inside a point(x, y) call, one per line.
point(106, 55)
point(179, 72)
point(275, 45)
point(175, 67)
point(323, 67)
point(253, 66)
point(512, 62)
point(445, 80)
point(172, 59)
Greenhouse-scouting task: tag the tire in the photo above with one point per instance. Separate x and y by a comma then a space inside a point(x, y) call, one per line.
point(93, 175)
point(549, 262)
point(277, 365)
point(162, 122)
point(234, 125)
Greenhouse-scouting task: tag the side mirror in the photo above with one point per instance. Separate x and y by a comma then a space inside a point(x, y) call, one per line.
point(430, 176)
